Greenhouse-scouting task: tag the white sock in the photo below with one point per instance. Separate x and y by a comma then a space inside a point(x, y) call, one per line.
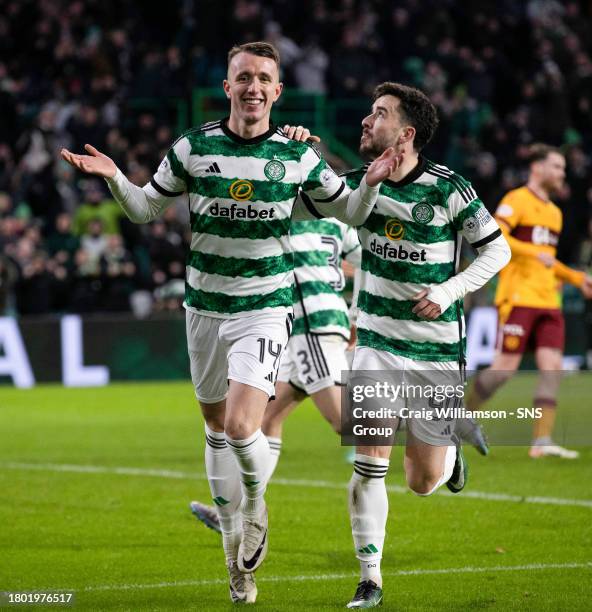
point(449, 461)
point(542, 441)
point(275, 448)
point(223, 477)
point(252, 456)
point(368, 511)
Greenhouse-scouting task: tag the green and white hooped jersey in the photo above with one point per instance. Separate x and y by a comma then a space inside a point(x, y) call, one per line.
point(319, 247)
point(241, 194)
point(409, 241)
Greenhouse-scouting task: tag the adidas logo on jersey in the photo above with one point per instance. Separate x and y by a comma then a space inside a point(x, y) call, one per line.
point(399, 253)
point(214, 168)
point(236, 211)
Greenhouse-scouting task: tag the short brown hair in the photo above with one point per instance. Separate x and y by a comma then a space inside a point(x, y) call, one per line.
point(540, 151)
point(260, 48)
point(415, 107)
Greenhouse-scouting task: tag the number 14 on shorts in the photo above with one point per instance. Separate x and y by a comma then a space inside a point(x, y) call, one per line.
point(274, 349)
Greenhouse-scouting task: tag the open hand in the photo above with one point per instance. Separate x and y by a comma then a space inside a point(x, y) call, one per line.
point(95, 163)
point(425, 309)
point(299, 133)
point(382, 167)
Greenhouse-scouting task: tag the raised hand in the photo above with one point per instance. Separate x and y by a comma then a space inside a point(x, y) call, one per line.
point(95, 163)
point(425, 309)
point(299, 133)
point(382, 167)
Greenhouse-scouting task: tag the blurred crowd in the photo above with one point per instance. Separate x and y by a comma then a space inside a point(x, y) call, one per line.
point(503, 74)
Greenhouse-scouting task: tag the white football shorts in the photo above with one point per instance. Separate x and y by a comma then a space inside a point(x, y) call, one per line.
point(409, 372)
point(247, 350)
point(312, 362)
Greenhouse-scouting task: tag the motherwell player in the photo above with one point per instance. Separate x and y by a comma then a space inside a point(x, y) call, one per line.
point(527, 297)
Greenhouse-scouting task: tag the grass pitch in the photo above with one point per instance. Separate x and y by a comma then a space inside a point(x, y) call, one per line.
point(96, 484)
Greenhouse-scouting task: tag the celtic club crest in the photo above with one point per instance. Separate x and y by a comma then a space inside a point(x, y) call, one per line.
point(422, 212)
point(275, 170)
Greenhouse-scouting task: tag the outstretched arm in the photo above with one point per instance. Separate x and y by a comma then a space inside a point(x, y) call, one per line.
point(140, 204)
point(361, 201)
point(351, 207)
point(94, 163)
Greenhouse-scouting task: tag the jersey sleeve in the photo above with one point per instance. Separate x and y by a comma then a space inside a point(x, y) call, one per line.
point(170, 179)
point(303, 209)
point(319, 181)
point(324, 194)
point(469, 215)
point(569, 275)
point(143, 204)
point(351, 249)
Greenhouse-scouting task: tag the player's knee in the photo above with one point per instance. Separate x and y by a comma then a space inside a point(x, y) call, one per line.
point(236, 430)
point(215, 422)
point(269, 423)
point(423, 482)
point(214, 415)
point(490, 381)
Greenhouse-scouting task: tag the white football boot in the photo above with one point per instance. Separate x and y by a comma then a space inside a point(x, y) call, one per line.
point(242, 586)
point(552, 450)
point(253, 546)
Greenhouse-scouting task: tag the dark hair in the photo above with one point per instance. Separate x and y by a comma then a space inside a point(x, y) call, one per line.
point(415, 108)
point(540, 151)
point(260, 48)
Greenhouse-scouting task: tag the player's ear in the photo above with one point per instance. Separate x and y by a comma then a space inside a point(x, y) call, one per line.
point(407, 135)
point(278, 91)
point(226, 86)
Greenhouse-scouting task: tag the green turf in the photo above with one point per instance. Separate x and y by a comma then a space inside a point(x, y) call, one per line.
point(101, 533)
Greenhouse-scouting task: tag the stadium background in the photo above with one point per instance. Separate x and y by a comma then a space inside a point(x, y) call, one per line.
point(129, 77)
point(95, 481)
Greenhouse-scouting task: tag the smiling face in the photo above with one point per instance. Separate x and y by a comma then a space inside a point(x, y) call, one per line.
point(252, 87)
point(383, 128)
